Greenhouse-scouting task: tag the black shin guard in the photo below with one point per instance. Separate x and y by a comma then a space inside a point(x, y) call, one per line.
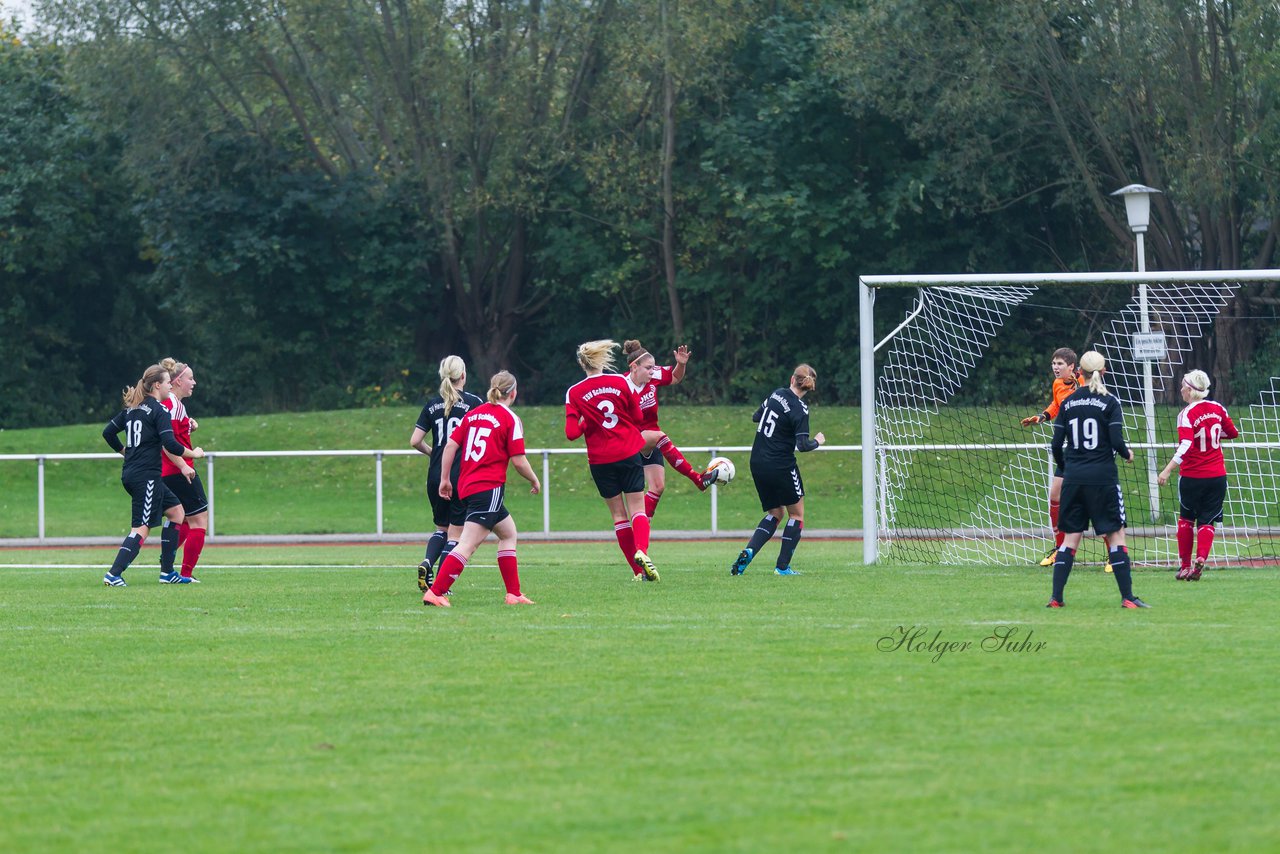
point(435, 545)
point(1062, 564)
point(790, 539)
point(168, 545)
point(761, 535)
point(128, 551)
point(1121, 569)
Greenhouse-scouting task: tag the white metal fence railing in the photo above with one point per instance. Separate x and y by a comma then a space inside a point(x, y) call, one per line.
point(377, 456)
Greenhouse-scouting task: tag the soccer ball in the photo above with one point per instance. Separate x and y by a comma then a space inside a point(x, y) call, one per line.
point(727, 471)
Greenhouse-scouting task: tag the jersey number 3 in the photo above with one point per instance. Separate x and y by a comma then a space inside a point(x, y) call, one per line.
point(610, 417)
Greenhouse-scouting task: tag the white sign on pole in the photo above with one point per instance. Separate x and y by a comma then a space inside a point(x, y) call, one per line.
point(1149, 345)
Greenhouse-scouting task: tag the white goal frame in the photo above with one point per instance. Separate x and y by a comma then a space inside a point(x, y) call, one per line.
point(873, 476)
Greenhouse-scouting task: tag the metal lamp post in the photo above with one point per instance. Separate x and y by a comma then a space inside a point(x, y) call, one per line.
point(1137, 205)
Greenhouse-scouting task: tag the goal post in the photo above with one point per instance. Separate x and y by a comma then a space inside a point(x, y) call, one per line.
point(944, 483)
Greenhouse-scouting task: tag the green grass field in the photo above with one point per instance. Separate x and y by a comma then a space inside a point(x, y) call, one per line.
point(301, 699)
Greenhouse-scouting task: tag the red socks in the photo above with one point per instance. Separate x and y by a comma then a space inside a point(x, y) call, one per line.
point(1204, 541)
point(450, 569)
point(191, 551)
point(1186, 536)
point(651, 503)
point(627, 542)
point(672, 455)
point(1058, 536)
point(640, 531)
point(510, 575)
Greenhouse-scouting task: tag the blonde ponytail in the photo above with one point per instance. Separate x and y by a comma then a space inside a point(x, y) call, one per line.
point(1092, 366)
point(597, 355)
point(151, 377)
point(452, 371)
point(501, 386)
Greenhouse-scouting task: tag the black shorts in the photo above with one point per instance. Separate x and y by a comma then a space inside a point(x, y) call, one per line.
point(150, 499)
point(189, 492)
point(653, 458)
point(1200, 499)
point(623, 476)
point(485, 508)
point(445, 512)
point(1103, 504)
point(777, 487)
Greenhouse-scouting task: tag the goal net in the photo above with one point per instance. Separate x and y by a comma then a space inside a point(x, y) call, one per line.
point(951, 477)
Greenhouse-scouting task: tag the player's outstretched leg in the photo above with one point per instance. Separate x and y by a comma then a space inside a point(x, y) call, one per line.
point(678, 462)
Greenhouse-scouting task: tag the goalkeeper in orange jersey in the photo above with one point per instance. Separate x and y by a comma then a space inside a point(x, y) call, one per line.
point(1065, 381)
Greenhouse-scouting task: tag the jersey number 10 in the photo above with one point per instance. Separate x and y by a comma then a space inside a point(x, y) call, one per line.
point(1207, 438)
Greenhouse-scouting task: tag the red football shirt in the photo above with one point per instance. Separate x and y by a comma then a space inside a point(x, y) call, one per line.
point(610, 417)
point(1201, 428)
point(647, 396)
point(181, 431)
point(488, 437)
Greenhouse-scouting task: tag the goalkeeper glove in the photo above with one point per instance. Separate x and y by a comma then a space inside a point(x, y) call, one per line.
point(1030, 419)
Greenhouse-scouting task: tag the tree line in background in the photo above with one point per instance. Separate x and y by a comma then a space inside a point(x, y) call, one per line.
point(314, 201)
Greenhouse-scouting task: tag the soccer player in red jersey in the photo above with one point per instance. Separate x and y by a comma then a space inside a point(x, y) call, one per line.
point(1202, 481)
point(603, 408)
point(489, 437)
point(644, 376)
point(440, 416)
point(1065, 381)
point(178, 475)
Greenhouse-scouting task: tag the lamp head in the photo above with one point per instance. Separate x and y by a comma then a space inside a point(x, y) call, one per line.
point(1137, 205)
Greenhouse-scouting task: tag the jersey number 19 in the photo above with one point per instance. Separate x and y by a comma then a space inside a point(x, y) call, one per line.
point(1090, 430)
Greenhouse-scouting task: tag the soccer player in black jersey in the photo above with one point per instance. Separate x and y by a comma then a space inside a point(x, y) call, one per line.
point(147, 429)
point(782, 428)
point(1088, 435)
point(440, 417)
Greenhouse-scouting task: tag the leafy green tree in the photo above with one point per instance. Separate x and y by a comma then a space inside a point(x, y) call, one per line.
point(1077, 99)
point(467, 110)
point(76, 323)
